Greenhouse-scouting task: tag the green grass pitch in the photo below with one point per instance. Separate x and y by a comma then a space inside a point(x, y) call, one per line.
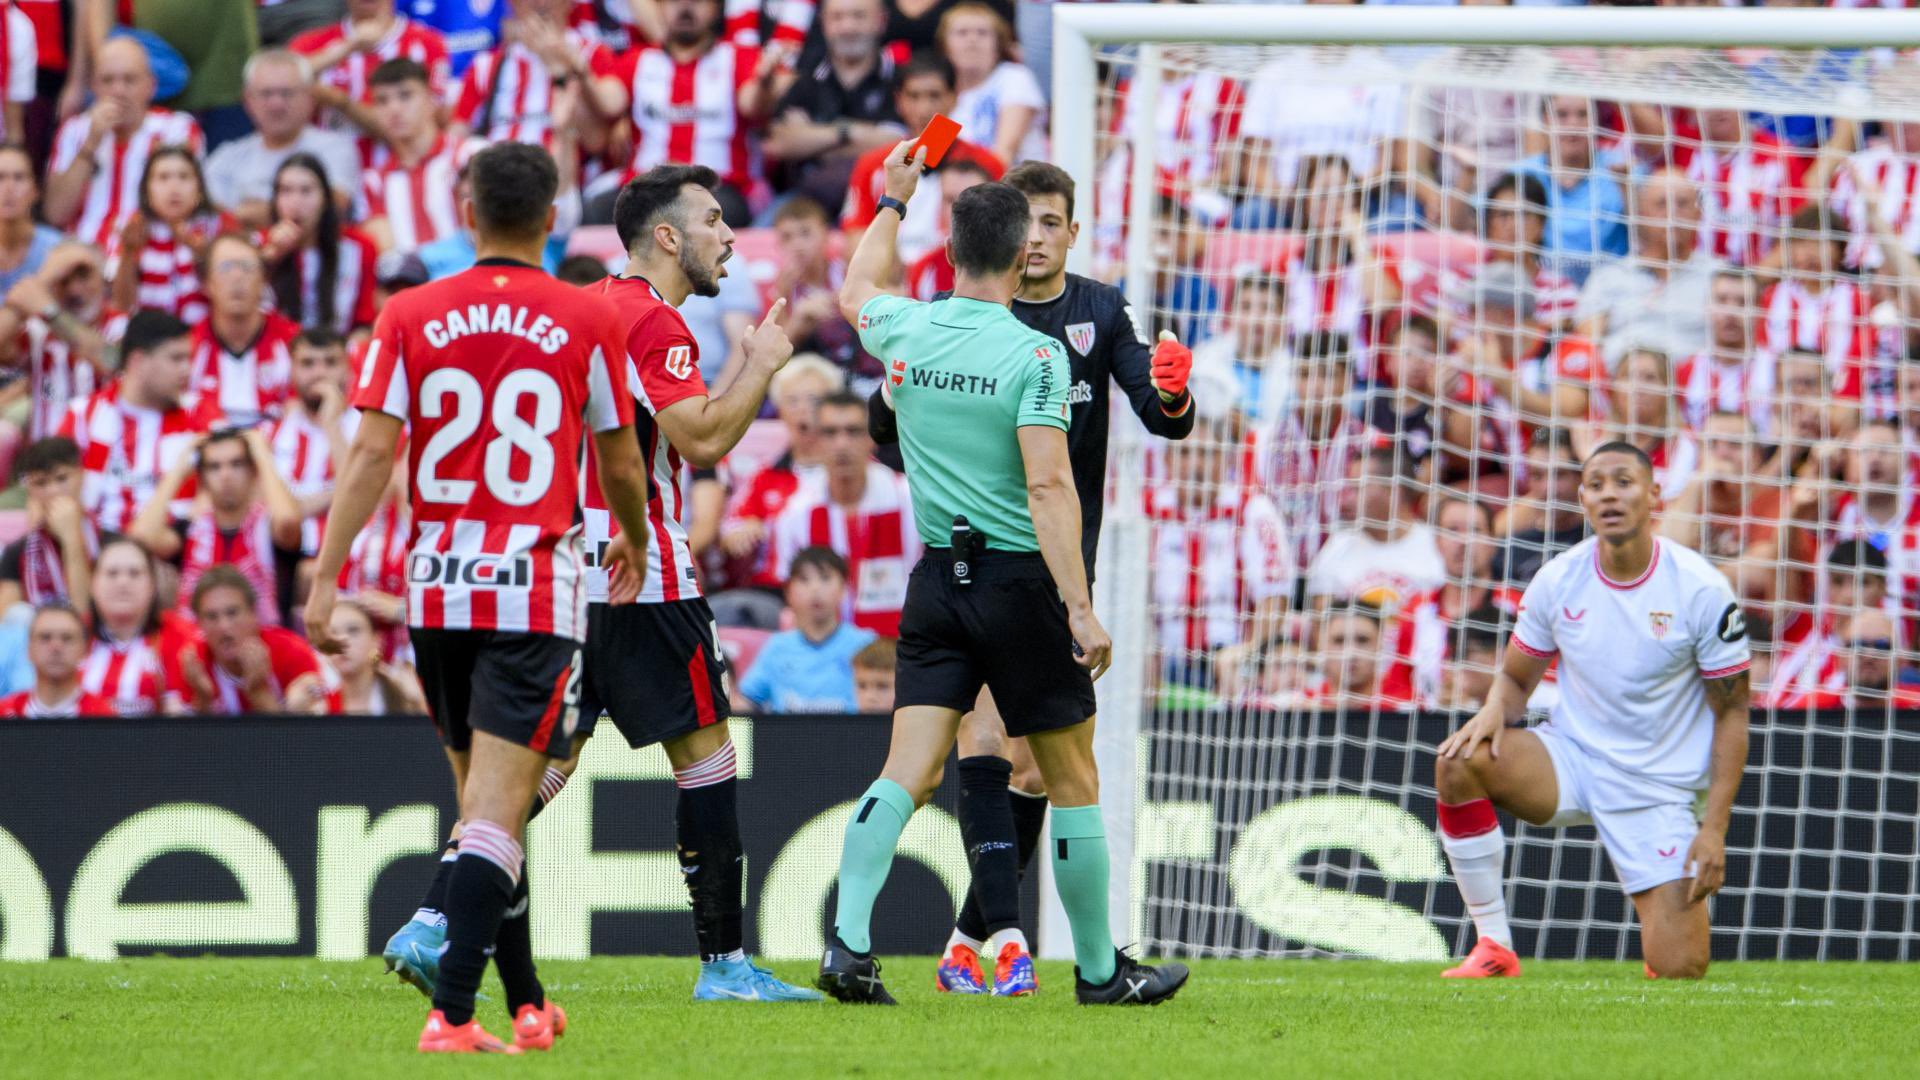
point(160, 1018)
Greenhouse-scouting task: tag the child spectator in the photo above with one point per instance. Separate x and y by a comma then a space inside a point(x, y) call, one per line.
point(54, 560)
point(240, 666)
point(873, 669)
point(133, 638)
point(810, 667)
point(56, 645)
point(155, 257)
point(1253, 355)
point(746, 532)
point(322, 271)
point(367, 686)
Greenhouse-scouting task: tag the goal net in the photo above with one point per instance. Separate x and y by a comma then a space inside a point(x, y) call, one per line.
point(1421, 282)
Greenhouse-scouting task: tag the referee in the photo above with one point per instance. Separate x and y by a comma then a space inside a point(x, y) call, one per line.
point(1000, 597)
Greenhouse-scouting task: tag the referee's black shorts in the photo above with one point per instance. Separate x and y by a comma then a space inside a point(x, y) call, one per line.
point(521, 687)
point(1008, 629)
point(656, 670)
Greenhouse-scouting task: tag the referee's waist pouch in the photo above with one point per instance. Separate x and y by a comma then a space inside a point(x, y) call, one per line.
point(989, 565)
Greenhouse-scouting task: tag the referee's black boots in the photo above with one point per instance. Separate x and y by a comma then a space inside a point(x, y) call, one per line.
point(1133, 983)
point(854, 977)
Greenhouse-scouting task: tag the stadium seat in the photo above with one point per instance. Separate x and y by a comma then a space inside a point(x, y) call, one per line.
point(741, 645)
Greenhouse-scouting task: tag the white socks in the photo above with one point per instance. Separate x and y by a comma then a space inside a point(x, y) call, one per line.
point(1478, 863)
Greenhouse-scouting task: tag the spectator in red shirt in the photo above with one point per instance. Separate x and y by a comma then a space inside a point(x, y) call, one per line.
point(748, 526)
point(406, 196)
point(369, 687)
point(53, 561)
point(154, 259)
point(99, 155)
point(56, 645)
point(861, 511)
point(133, 638)
point(56, 323)
point(922, 88)
point(508, 94)
point(248, 520)
point(238, 665)
point(241, 365)
point(345, 55)
point(322, 271)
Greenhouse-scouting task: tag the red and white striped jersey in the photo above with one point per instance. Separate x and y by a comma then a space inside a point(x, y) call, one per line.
point(249, 386)
point(930, 276)
point(507, 94)
point(1213, 564)
point(1835, 324)
point(1708, 386)
point(377, 562)
point(689, 113)
point(416, 201)
point(414, 40)
point(1423, 640)
point(500, 372)
point(1196, 116)
point(125, 449)
point(131, 674)
point(1327, 298)
point(38, 564)
point(1897, 175)
point(248, 549)
point(1303, 475)
point(305, 460)
point(663, 369)
point(353, 283)
point(169, 281)
point(55, 376)
point(1555, 297)
point(790, 21)
point(19, 56)
point(1744, 198)
point(26, 705)
point(877, 539)
point(114, 191)
point(1897, 537)
point(289, 659)
point(1807, 664)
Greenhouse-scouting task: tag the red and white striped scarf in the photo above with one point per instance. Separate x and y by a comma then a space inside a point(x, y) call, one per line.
point(43, 572)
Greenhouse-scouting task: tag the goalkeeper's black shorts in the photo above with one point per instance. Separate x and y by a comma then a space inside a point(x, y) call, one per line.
point(1007, 630)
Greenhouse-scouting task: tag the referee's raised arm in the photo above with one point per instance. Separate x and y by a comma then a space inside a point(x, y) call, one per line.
point(871, 267)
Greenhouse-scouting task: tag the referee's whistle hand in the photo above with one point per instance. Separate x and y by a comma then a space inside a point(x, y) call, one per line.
point(1096, 648)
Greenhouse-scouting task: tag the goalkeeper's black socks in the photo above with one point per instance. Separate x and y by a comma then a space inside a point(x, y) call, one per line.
point(707, 829)
point(513, 952)
point(1029, 817)
point(484, 880)
point(433, 906)
point(987, 827)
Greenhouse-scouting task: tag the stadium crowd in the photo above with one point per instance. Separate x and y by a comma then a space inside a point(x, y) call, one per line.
point(1404, 343)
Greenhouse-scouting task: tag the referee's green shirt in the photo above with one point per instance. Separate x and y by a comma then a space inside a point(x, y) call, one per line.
point(962, 376)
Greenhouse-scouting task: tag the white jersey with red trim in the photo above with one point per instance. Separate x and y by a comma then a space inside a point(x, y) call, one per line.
point(664, 370)
point(500, 372)
point(125, 449)
point(114, 191)
point(1634, 660)
point(689, 113)
point(128, 673)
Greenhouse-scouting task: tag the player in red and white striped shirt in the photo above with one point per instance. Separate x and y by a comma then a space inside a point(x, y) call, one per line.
point(246, 518)
point(57, 324)
point(407, 195)
point(861, 510)
point(507, 94)
point(498, 373)
point(56, 647)
point(133, 637)
point(1744, 178)
point(694, 99)
point(345, 55)
point(93, 178)
point(656, 666)
point(135, 429)
point(241, 367)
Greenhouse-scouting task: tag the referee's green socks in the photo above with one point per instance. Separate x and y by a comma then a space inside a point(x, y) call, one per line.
point(866, 855)
point(1080, 877)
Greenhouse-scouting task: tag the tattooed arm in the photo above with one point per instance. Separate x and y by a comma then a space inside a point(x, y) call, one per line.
point(1729, 698)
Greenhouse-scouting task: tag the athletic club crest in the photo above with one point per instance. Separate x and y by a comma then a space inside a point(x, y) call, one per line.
point(1662, 622)
point(1080, 336)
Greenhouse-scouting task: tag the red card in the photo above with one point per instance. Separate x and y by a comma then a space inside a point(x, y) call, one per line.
point(938, 139)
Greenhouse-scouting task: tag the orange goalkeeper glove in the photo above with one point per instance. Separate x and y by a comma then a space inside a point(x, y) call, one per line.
point(1172, 364)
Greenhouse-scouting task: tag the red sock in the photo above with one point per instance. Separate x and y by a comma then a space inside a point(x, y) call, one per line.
point(1472, 818)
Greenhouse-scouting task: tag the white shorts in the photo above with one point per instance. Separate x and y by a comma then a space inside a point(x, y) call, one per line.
point(1647, 843)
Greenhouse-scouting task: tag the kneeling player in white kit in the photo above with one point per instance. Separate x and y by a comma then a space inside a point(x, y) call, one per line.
point(1648, 738)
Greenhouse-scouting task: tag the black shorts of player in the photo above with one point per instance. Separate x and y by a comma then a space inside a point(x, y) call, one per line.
point(523, 688)
point(1007, 629)
point(655, 669)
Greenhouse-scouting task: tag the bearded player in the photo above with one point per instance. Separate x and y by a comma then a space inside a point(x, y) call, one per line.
point(1646, 743)
point(497, 374)
point(1003, 800)
point(655, 667)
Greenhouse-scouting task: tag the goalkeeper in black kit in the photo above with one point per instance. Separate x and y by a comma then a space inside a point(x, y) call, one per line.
point(1002, 798)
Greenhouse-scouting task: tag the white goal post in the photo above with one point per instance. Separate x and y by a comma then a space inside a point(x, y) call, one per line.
point(1138, 36)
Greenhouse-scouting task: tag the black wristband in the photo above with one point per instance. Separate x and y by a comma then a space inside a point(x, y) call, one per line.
point(888, 202)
